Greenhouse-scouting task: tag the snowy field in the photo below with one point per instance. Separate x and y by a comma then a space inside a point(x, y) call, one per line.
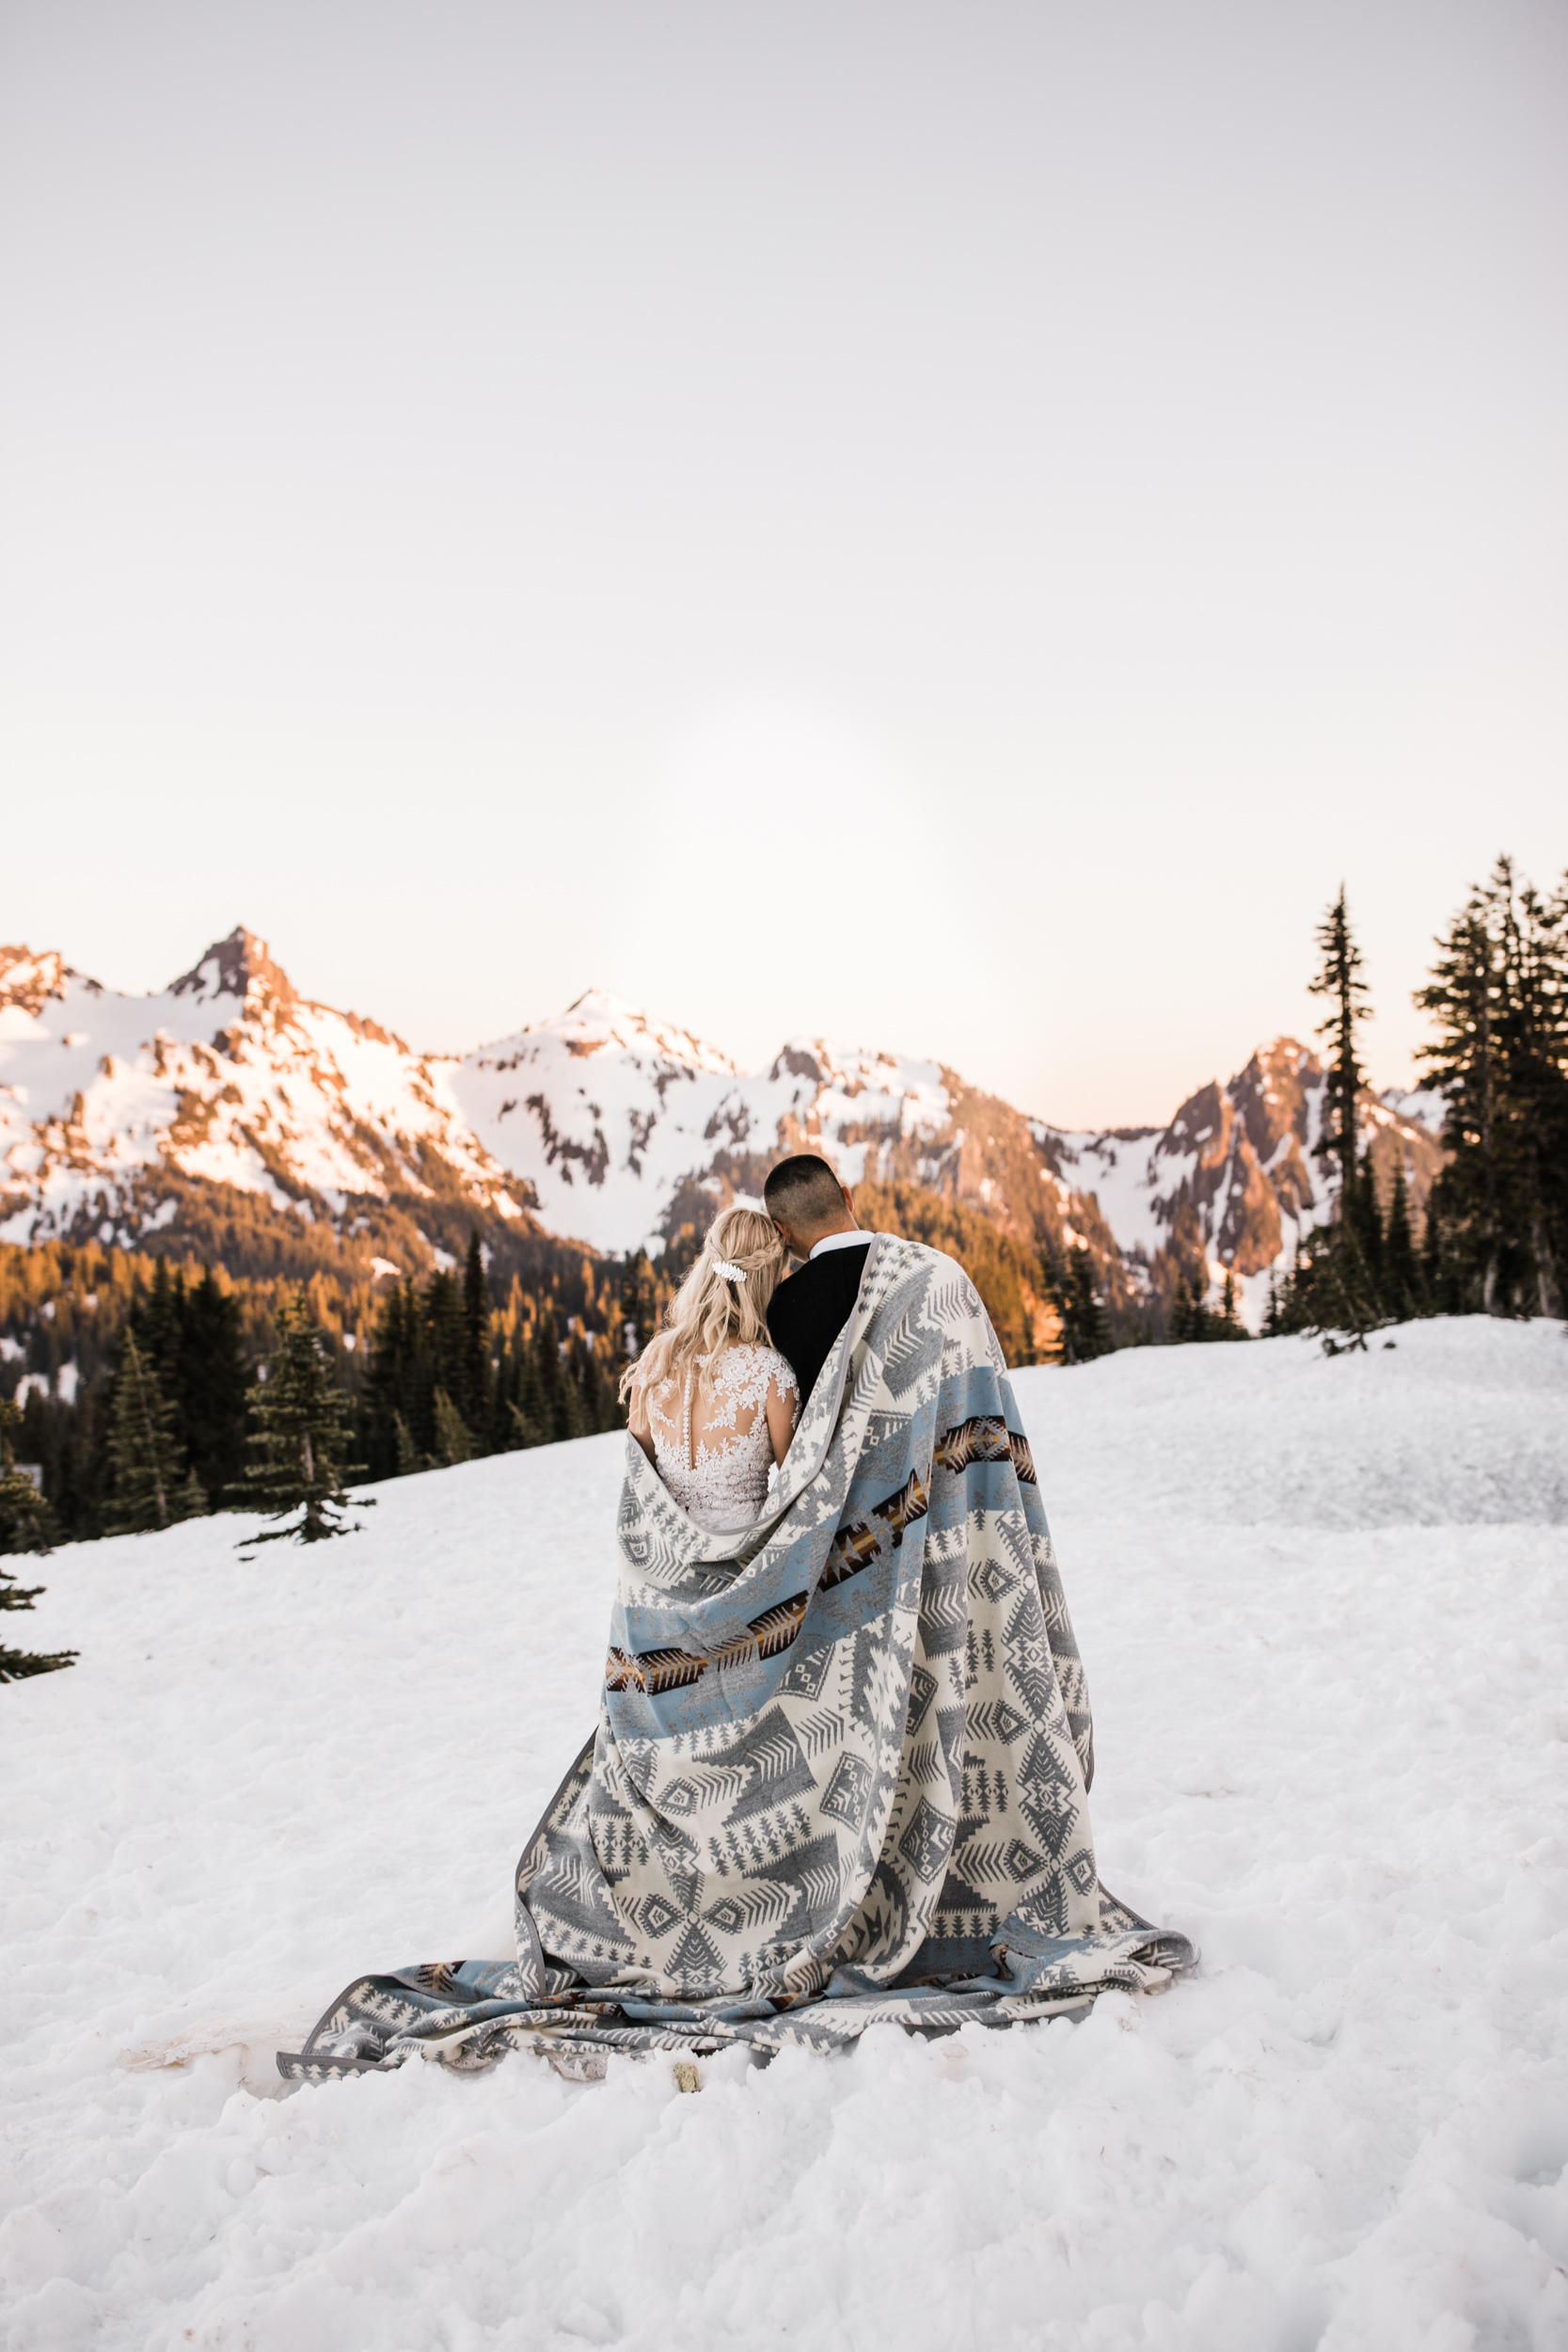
point(1324, 1609)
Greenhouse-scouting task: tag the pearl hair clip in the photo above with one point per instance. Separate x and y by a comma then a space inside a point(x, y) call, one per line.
point(731, 1272)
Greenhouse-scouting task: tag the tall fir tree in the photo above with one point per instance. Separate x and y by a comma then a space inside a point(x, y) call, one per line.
point(1498, 1215)
point(1340, 979)
point(301, 1439)
point(153, 1485)
point(1337, 1284)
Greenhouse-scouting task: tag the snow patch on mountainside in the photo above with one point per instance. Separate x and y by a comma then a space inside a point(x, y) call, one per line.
point(1423, 1105)
point(604, 1113)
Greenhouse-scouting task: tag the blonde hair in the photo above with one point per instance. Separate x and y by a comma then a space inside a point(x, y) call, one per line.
point(711, 1310)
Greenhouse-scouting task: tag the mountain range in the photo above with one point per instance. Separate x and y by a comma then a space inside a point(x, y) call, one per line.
point(235, 1118)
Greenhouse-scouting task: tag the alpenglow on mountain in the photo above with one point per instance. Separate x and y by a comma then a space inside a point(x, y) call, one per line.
point(229, 1103)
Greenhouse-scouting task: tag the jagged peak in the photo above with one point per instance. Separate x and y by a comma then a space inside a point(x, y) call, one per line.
point(238, 967)
point(28, 979)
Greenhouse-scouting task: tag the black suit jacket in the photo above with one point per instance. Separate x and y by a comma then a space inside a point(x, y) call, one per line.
point(807, 1313)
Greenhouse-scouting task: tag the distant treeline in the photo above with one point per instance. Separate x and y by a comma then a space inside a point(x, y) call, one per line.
point(437, 1371)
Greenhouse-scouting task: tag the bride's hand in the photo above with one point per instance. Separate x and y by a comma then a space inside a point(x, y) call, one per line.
point(637, 1421)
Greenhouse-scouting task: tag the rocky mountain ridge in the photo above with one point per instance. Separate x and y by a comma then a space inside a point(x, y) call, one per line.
point(124, 1117)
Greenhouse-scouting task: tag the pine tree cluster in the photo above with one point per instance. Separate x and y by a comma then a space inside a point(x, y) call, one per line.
point(1499, 997)
point(1190, 1318)
point(300, 1438)
point(1496, 1239)
point(176, 1410)
point(439, 1388)
point(1084, 1328)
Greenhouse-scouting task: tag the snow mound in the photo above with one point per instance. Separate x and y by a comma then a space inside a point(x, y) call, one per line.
point(1329, 1694)
point(1452, 1422)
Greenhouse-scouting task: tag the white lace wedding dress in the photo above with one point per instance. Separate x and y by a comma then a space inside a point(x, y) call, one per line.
point(721, 1481)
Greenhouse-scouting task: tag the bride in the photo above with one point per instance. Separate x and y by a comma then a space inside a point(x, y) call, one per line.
point(711, 1401)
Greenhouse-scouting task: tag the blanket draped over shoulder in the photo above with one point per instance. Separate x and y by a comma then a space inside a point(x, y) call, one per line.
point(841, 1765)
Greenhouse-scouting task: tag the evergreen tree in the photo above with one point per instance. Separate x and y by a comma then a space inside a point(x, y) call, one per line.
point(1230, 1325)
point(1333, 1290)
point(1085, 1331)
point(1402, 1287)
point(530, 1422)
point(152, 1484)
point(1189, 1317)
point(394, 1376)
point(446, 1336)
point(23, 1527)
point(301, 1439)
point(475, 1398)
point(156, 1320)
point(1498, 1216)
point(211, 1383)
point(454, 1439)
point(1338, 1282)
point(1340, 979)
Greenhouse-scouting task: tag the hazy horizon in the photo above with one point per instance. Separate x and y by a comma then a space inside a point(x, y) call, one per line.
point(951, 530)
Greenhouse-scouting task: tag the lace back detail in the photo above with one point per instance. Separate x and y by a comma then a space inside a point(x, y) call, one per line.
point(722, 1482)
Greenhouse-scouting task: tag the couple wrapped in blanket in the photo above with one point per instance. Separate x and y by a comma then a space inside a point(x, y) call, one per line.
point(841, 1767)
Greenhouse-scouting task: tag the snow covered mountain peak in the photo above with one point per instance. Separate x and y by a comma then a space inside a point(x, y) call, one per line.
point(598, 1023)
point(239, 967)
point(110, 1103)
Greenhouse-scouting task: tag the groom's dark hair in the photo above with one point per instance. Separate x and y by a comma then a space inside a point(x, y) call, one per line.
point(802, 1190)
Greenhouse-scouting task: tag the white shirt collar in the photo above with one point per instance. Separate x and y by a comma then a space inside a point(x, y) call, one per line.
point(837, 1241)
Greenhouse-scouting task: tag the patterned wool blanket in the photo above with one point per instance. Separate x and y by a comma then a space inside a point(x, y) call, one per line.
point(841, 1765)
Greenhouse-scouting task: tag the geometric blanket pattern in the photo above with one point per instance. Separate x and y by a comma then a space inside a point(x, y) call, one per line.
point(841, 1767)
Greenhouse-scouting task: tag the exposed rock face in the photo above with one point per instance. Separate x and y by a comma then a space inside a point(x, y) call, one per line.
point(613, 1128)
point(1235, 1181)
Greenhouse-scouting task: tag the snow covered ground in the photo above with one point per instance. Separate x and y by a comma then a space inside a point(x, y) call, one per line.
point(1325, 1608)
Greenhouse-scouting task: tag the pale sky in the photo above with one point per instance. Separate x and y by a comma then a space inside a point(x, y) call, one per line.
point(948, 527)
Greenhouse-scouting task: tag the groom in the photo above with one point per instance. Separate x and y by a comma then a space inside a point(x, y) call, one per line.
point(815, 1215)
